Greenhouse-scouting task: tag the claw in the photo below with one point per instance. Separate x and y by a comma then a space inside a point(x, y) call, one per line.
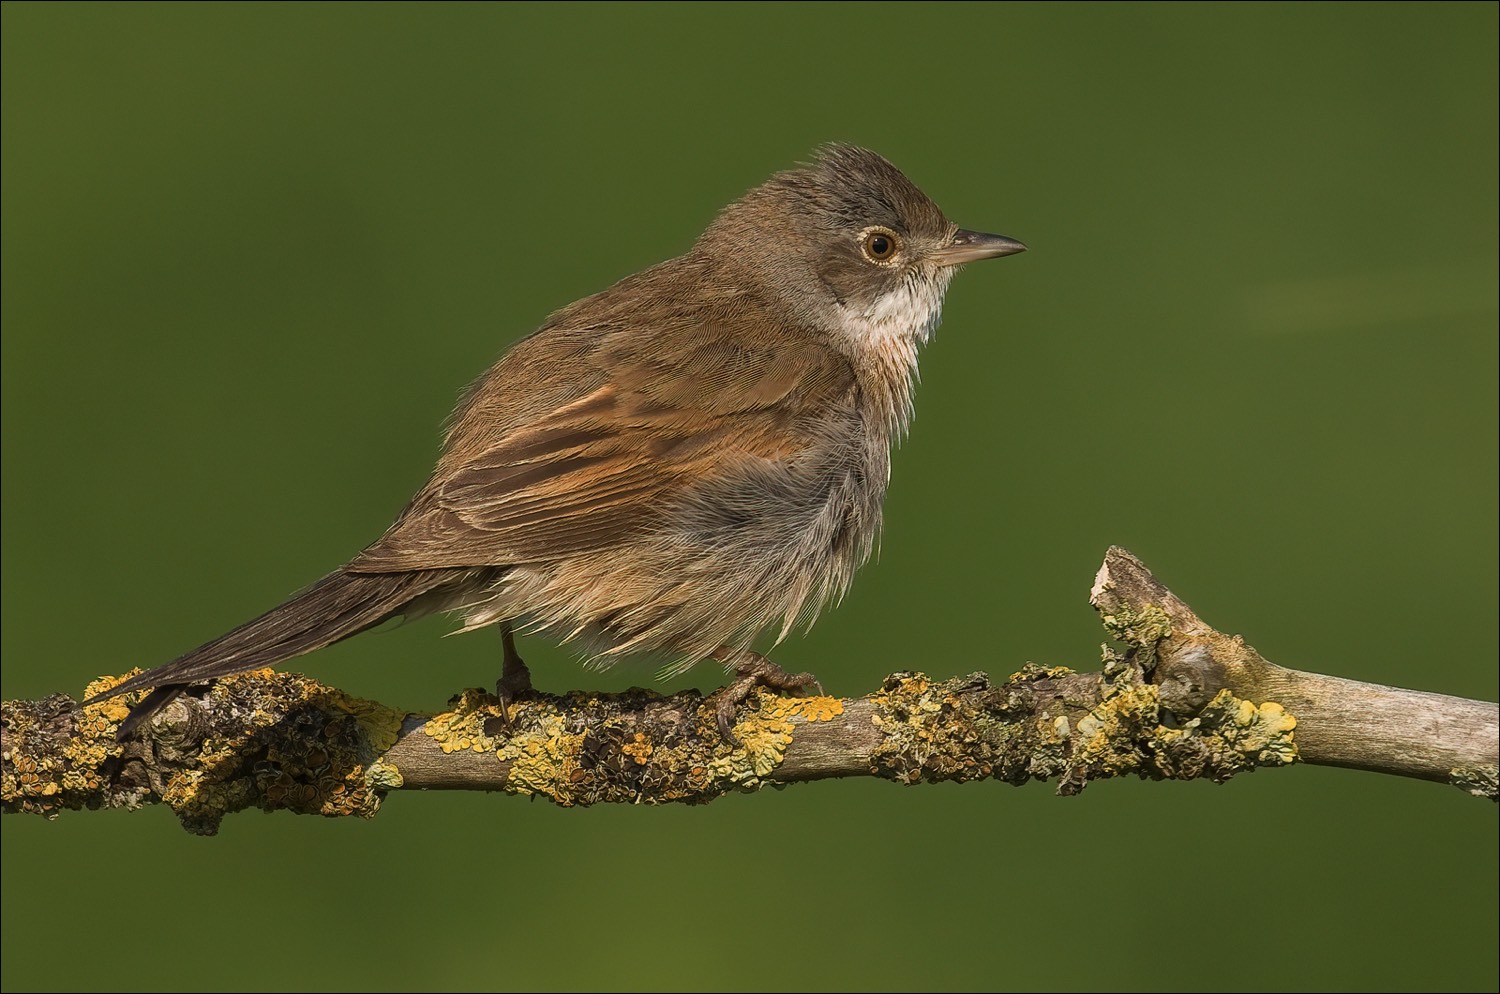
point(515, 678)
point(727, 701)
point(754, 671)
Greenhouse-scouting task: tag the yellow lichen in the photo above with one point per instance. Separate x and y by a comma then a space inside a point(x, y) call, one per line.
point(317, 760)
point(806, 708)
point(762, 747)
point(381, 724)
point(1143, 628)
point(638, 749)
point(94, 739)
point(1096, 733)
point(1263, 733)
point(463, 728)
point(1032, 671)
point(107, 683)
point(1124, 734)
point(932, 731)
point(542, 757)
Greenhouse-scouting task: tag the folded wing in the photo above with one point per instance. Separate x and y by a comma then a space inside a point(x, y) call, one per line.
point(632, 427)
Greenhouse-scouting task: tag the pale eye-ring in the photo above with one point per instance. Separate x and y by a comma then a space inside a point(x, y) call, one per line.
point(878, 244)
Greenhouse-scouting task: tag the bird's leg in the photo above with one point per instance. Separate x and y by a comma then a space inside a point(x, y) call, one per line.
point(515, 678)
point(752, 670)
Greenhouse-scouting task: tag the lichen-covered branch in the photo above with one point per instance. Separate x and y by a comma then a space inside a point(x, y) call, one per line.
point(1183, 702)
point(1339, 722)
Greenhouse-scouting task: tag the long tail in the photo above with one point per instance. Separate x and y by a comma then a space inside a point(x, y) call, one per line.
point(338, 606)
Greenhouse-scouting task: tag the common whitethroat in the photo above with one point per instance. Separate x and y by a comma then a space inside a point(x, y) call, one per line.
point(674, 465)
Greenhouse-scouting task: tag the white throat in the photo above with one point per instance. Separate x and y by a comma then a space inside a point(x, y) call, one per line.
point(910, 312)
point(888, 334)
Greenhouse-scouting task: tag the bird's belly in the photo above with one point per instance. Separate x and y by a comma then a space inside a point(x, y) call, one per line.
point(720, 570)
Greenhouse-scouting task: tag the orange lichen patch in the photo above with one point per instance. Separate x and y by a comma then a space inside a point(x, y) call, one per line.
point(638, 749)
point(463, 728)
point(104, 684)
point(30, 786)
point(806, 708)
point(56, 752)
point(100, 719)
point(908, 683)
point(94, 738)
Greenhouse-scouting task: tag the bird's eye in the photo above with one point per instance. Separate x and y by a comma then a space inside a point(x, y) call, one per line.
point(879, 245)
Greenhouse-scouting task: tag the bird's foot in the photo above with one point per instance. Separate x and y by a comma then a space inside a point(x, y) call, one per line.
point(754, 670)
point(515, 678)
point(514, 684)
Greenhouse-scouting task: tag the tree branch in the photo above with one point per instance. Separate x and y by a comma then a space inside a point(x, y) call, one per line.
point(1340, 722)
point(1184, 701)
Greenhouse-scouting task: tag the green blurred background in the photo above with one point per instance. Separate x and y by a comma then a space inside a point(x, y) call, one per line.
point(252, 253)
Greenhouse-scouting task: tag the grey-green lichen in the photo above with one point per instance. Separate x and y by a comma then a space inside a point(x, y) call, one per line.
point(1053, 724)
point(1262, 733)
point(1142, 629)
point(383, 776)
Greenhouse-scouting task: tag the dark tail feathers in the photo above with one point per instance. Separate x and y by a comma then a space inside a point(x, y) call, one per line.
point(338, 606)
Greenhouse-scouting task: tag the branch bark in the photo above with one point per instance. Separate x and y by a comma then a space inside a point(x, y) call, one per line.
point(1182, 701)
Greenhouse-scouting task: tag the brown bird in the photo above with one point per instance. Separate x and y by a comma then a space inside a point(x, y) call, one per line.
point(674, 465)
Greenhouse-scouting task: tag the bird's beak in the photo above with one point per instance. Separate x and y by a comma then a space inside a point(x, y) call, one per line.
point(971, 246)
